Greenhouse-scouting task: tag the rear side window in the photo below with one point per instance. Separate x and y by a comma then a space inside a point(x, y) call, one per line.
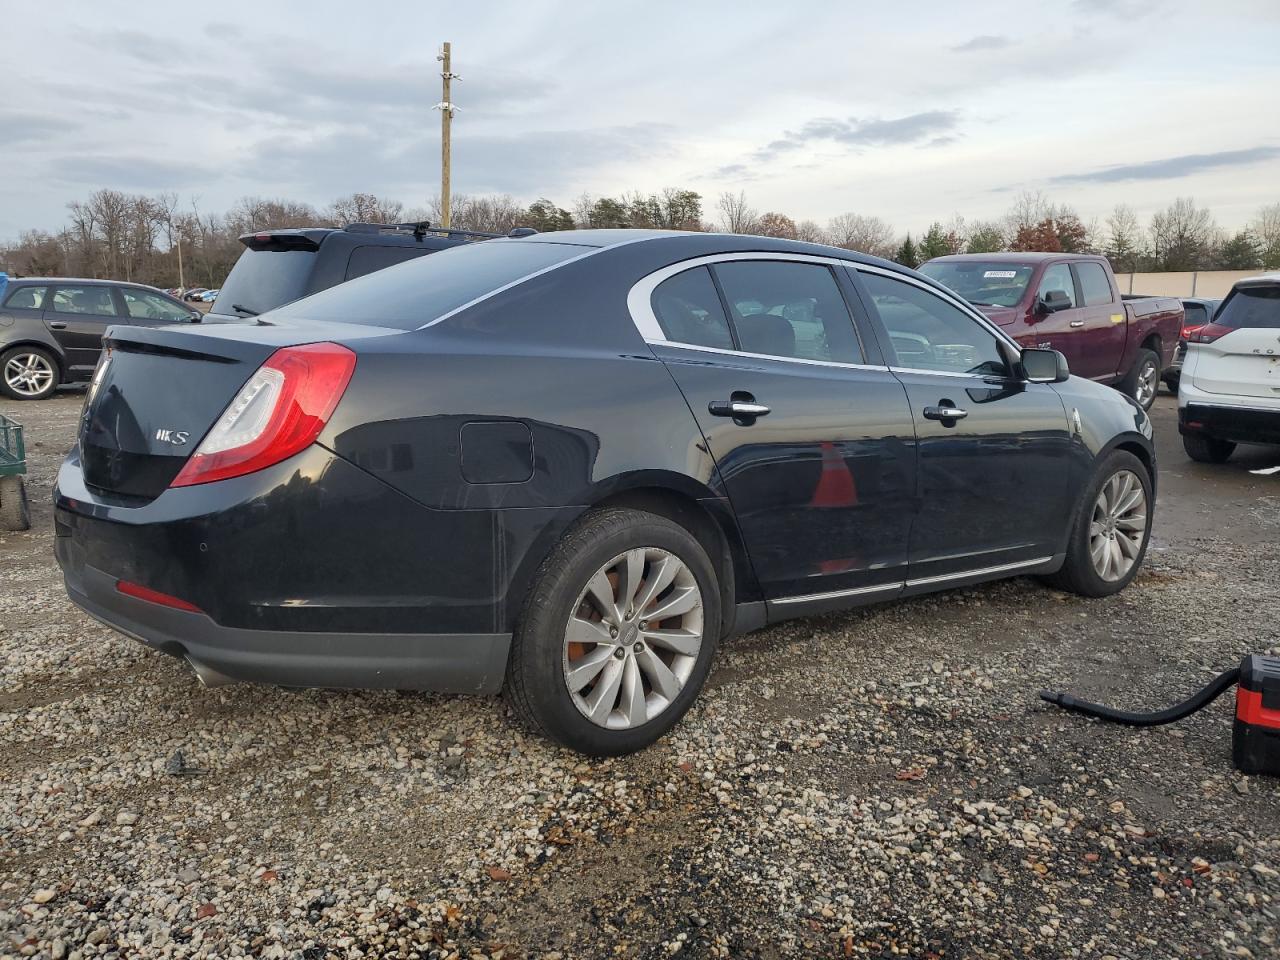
point(94, 301)
point(689, 311)
point(26, 298)
point(425, 289)
point(1058, 277)
point(262, 280)
point(1094, 285)
point(789, 310)
point(1257, 307)
point(144, 305)
point(371, 259)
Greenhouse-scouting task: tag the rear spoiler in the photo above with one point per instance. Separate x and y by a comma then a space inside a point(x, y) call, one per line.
point(278, 240)
point(419, 230)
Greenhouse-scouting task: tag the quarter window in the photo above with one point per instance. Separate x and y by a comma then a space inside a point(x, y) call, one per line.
point(142, 305)
point(26, 298)
point(1094, 285)
point(1058, 277)
point(689, 311)
point(94, 300)
point(928, 333)
point(789, 310)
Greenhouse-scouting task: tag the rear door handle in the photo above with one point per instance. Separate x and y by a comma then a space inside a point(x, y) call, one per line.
point(738, 409)
point(57, 325)
point(1077, 323)
point(945, 413)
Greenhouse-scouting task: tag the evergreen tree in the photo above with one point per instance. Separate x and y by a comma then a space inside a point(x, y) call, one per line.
point(907, 254)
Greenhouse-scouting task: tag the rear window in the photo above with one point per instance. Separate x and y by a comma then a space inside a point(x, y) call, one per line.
point(415, 293)
point(262, 280)
point(1194, 315)
point(1251, 307)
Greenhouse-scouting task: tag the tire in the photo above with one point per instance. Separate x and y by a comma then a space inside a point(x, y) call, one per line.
point(28, 373)
point(562, 604)
point(1142, 383)
point(15, 512)
point(1204, 449)
point(1171, 380)
point(1080, 573)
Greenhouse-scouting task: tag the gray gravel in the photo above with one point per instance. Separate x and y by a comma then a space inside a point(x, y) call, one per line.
point(882, 783)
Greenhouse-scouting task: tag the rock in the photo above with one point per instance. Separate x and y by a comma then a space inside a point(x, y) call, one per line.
point(126, 818)
point(44, 896)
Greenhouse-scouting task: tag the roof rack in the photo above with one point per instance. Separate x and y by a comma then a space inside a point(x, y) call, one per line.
point(419, 230)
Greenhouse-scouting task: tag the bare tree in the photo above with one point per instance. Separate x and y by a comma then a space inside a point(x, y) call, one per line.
point(1266, 227)
point(364, 208)
point(865, 234)
point(1124, 239)
point(777, 225)
point(736, 215)
point(1182, 235)
point(810, 232)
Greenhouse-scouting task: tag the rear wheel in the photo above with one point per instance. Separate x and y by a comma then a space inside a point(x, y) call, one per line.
point(1109, 539)
point(1204, 449)
point(1143, 381)
point(28, 373)
point(617, 634)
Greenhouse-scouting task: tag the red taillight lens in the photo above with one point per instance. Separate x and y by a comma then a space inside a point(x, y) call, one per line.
point(279, 412)
point(155, 596)
point(1209, 333)
point(1190, 332)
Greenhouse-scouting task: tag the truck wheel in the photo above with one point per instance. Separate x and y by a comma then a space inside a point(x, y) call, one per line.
point(1108, 540)
point(1143, 380)
point(1204, 449)
point(15, 512)
point(28, 373)
point(617, 633)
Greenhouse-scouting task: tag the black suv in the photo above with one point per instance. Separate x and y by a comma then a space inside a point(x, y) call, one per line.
point(280, 266)
point(51, 328)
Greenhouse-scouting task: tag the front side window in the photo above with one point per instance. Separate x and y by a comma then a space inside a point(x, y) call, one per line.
point(151, 306)
point(93, 301)
point(928, 333)
point(1251, 307)
point(1094, 285)
point(689, 311)
point(1058, 277)
point(26, 298)
point(789, 310)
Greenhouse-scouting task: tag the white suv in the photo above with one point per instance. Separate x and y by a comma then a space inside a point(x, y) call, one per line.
point(1230, 387)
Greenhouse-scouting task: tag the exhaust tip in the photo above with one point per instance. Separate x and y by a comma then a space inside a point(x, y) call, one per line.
point(208, 676)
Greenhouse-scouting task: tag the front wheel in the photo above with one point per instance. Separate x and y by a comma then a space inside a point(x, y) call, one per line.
point(617, 634)
point(1109, 539)
point(1204, 449)
point(1143, 381)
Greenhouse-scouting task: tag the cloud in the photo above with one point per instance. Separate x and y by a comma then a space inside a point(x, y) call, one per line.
point(1172, 167)
point(931, 125)
point(32, 127)
point(127, 172)
point(984, 42)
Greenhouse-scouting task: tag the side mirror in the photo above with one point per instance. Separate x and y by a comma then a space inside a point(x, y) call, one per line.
point(1043, 366)
point(1053, 301)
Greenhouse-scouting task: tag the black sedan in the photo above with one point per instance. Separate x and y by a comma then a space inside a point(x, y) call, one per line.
point(569, 465)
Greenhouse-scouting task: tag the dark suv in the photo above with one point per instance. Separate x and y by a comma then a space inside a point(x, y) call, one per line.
point(51, 328)
point(280, 266)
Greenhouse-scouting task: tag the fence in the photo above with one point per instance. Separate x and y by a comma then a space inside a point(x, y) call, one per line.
point(1201, 283)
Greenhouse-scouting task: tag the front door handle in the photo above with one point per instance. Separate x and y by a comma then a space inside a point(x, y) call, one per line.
point(945, 412)
point(738, 409)
point(57, 325)
point(1077, 323)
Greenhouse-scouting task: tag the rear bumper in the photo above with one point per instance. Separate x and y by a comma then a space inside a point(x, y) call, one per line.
point(1239, 423)
point(447, 663)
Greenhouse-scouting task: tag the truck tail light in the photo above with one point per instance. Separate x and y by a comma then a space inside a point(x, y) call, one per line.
point(279, 412)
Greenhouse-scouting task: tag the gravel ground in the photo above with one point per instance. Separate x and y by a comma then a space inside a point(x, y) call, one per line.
point(881, 783)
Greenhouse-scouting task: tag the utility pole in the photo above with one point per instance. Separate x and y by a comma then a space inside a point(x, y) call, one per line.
point(446, 108)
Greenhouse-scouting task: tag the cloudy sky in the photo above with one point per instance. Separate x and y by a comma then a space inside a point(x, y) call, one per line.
point(911, 112)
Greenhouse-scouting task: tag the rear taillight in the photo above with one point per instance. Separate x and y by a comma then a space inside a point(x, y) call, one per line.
point(1209, 333)
point(1189, 332)
point(279, 412)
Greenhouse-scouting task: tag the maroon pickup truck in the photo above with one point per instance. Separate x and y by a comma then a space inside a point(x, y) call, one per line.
point(1070, 303)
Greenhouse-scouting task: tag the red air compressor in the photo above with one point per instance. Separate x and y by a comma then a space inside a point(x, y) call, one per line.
point(1255, 736)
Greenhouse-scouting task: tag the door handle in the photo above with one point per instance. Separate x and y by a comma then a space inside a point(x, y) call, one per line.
point(57, 325)
point(738, 409)
point(1077, 323)
point(945, 412)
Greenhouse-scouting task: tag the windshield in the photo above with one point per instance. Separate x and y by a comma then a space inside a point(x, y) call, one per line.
point(1251, 307)
point(412, 294)
point(986, 284)
point(262, 280)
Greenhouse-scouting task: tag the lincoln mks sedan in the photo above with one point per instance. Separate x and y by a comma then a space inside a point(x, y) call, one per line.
point(567, 466)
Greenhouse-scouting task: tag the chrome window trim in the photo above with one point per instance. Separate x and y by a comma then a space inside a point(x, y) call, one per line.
point(949, 373)
point(640, 306)
point(589, 252)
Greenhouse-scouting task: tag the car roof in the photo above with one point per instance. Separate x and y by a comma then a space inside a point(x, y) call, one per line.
point(82, 281)
point(1031, 256)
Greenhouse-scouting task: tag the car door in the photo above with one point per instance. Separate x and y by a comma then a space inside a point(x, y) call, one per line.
point(1057, 330)
point(993, 477)
point(1099, 342)
point(78, 315)
point(811, 435)
point(150, 308)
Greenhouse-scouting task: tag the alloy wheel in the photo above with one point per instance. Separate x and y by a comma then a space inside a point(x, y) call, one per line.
point(1148, 384)
point(28, 374)
point(633, 638)
point(1118, 525)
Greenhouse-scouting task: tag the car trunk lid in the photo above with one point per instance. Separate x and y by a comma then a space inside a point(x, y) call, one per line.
point(1244, 362)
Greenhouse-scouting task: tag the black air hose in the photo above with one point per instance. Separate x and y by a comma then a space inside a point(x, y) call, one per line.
point(1218, 686)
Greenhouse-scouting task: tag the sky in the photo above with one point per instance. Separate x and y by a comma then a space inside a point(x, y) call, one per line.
point(910, 112)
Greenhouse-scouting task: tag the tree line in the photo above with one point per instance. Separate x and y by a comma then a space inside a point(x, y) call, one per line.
point(163, 242)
